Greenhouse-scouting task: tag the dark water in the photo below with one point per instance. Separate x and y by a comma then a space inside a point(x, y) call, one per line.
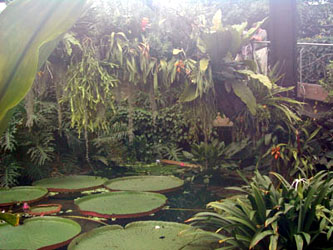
point(181, 205)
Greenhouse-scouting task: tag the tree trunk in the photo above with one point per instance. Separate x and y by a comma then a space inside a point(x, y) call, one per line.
point(130, 129)
point(282, 35)
point(153, 105)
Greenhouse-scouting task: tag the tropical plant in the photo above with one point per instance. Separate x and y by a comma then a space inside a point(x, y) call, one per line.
point(12, 219)
point(299, 155)
point(327, 82)
point(24, 52)
point(216, 155)
point(289, 216)
point(9, 171)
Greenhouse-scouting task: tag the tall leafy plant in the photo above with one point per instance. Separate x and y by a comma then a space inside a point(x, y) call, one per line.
point(26, 42)
point(295, 215)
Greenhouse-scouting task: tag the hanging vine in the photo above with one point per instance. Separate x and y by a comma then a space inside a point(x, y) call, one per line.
point(89, 89)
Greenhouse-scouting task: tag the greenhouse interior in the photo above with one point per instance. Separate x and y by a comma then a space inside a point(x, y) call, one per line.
point(166, 125)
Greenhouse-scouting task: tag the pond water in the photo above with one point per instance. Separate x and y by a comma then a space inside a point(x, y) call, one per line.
point(181, 204)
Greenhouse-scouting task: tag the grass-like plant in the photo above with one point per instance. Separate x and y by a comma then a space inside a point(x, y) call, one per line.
point(283, 216)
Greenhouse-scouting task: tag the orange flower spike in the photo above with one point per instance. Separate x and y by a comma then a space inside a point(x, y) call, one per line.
point(181, 64)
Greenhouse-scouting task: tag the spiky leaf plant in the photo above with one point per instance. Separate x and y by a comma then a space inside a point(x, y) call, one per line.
point(287, 216)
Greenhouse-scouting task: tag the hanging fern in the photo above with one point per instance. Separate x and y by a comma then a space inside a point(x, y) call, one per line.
point(89, 90)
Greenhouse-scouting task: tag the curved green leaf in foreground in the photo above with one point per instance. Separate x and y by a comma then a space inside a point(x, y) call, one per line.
point(27, 29)
point(142, 235)
point(72, 183)
point(150, 183)
point(21, 194)
point(123, 204)
point(35, 233)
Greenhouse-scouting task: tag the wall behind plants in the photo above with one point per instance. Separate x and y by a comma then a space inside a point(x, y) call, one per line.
point(134, 81)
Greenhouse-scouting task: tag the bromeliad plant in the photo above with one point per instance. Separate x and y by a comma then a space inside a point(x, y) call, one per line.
point(216, 155)
point(287, 216)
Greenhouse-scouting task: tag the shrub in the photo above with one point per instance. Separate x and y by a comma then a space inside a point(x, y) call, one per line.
point(287, 216)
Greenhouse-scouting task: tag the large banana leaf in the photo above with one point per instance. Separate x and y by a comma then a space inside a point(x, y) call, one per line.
point(27, 28)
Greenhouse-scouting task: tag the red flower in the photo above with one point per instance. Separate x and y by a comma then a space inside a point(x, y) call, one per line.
point(276, 152)
point(180, 65)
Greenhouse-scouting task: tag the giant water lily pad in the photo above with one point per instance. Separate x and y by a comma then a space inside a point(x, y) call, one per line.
point(44, 209)
point(21, 194)
point(160, 184)
point(39, 233)
point(122, 204)
point(142, 235)
point(73, 183)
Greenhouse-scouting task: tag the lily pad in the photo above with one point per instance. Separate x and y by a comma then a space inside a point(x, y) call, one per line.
point(72, 183)
point(44, 209)
point(142, 235)
point(149, 183)
point(39, 233)
point(21, 194)
point(122, 204)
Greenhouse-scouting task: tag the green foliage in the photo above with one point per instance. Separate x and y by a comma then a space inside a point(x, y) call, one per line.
point(171, 152)
point(216, 154)
point(9, 172)
point(298, 156)
point(108, 144)
point(315, 59)
point(88, 102)
point(12, 219)
point(314, 18)
point(32, 37)
point(327, 82)
point(290, 216)
point(272, 108)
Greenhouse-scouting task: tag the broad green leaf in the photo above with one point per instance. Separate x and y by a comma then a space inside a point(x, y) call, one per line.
point(70, 183)
point(307, 237)
point(22, 39)
point(39, 233)
point(240, 27)
point(160, 184)
point(176, 51)
point(189, 94)
point(246, 95)
point(217, 21)
point(12, 219)
point(268, 139)
point(204, 64)
point(144, 235)
point(236, 40)
point(253, 30)
point(258, 237)
point(273, 242)
point(299, 241)
point(260, 77)
point(201, 45)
